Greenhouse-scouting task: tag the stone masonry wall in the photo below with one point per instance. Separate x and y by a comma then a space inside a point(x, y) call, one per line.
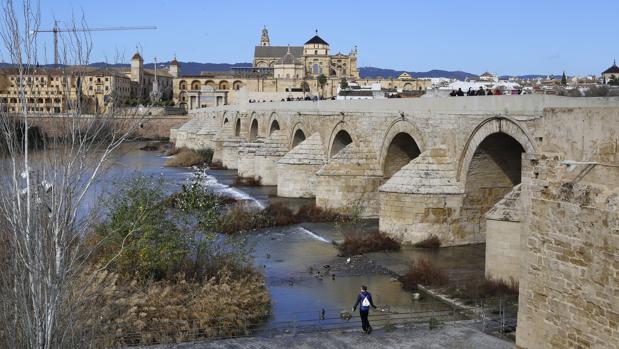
point(569, 291)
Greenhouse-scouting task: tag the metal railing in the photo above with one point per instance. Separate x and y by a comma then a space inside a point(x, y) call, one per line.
point(490, 315)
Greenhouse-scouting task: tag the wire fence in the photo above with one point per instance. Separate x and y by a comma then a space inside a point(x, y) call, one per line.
point(488, 315)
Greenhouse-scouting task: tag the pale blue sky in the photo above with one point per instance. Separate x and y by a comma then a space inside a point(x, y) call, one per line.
point(507, 37)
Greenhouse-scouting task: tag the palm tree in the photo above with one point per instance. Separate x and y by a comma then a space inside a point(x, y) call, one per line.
point(305, 87)
point(322, 80)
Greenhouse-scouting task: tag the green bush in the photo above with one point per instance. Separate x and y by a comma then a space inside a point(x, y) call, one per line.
point(152, 236)
point(137, 239)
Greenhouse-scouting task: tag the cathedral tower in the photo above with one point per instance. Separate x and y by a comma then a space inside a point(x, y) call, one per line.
point(264, 40)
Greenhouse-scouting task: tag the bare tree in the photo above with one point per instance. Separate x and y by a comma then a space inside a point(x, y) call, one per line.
point(44, 183)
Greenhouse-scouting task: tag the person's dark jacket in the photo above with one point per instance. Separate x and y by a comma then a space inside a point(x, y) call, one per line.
point(360, 299)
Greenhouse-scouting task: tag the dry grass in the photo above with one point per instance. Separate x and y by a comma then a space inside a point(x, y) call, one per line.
point(432, 242)
point(424, 273)
point(131, 314)
point(365, 243)
point(173, 151)
point(485, 288)
point(241, 217)
point(188, 157)
point(240, 181)
point(217, 165)
point(313, 214)
point(151, 146)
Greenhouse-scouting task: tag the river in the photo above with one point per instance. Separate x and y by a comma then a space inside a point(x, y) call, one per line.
point(290, 257)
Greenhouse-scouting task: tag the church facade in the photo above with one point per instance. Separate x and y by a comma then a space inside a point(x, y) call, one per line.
point(277, 72)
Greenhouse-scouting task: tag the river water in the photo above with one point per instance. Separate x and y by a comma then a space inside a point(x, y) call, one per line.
point(285, 254)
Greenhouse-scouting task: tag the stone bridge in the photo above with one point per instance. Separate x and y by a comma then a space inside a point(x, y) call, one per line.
point(431, 166)
point(498, 169)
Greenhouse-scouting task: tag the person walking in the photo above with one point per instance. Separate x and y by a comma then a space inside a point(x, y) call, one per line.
point(364, 301)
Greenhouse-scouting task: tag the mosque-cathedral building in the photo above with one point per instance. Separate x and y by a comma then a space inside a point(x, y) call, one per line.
point(277, 72)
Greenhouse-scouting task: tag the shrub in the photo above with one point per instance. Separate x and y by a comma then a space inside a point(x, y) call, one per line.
point(240, 217)
point(240, 181)
point(217, 165)
point(597, 91)
point(424, 273)
point(278, 215)
point(365, 243)
point(188, 157)
point(173, 151)
point(432, 242)
point(137, 241)
point(150, 147)
point(312, 213)
point(434, 323)
point(149, 235)
point(485, 288)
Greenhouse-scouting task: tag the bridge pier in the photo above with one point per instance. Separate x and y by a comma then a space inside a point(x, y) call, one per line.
point(423, 199)
point(229, 153)
point(296, 170)
point(350, 181)
point(503, 233)
point(268, 154)
point(246, 158)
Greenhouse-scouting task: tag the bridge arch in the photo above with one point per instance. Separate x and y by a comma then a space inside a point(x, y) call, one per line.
point(402, 143)
point(274, 127)
point(297, 135)
point(490, 167)
point(237, 127)
point(340, 138)
point(274, 123)
point(253, 130)
point(486, 128)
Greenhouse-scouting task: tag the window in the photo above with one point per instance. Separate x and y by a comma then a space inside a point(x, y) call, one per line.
point(315, 52)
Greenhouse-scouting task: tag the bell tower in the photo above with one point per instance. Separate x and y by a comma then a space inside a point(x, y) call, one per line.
point(264, 39)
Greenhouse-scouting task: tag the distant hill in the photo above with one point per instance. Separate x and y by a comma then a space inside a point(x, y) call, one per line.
point(195, 68)
point(390, 73)
point(187, 68)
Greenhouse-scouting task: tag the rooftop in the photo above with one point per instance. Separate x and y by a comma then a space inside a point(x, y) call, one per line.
point(316, 40)
point(612, 70)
